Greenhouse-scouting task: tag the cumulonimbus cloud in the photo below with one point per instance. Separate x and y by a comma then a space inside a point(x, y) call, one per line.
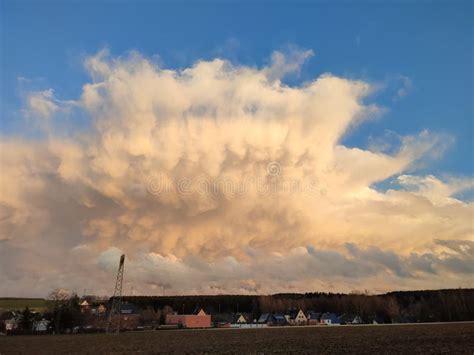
point(208, 136)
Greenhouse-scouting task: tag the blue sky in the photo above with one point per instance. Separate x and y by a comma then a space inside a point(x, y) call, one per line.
point(428, 43)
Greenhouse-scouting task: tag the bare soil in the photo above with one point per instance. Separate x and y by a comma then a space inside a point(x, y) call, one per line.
point(455, 338)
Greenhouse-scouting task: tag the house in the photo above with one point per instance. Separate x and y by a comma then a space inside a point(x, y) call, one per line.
point(41, 325)
point(12, 320)
point(350, 319)
point(272, 319)
point(85, 306)
point(223, 320)
point(6, 317)
point(11, 324)
point(128, 308)
point(198, 320)
point(378, 320)
point(297, 317)
point(330, 319)
point(313, 318)
point(126, 322)
point(279, 319)
point(239, 318)
point(130, 316)
point(101, 309)
point(266, 318)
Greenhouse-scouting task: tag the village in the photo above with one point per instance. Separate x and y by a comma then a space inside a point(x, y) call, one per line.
point(91, 316)
point(65, 313)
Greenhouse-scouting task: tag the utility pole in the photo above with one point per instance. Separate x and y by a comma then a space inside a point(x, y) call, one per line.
point(117, 298)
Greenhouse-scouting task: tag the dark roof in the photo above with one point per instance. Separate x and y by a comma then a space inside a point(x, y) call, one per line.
point(223, 317)
point(128, 308)
point(293, 313)
point(279, 317)
point(349, 318)
point(265, 317)
point(314, 315)
point(333, 317)
point(6, 315)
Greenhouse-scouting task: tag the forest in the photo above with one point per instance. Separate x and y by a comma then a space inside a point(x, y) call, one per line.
point(400, 306)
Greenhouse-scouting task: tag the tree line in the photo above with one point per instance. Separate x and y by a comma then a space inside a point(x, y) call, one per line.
point(64, 312)
point(401, 306)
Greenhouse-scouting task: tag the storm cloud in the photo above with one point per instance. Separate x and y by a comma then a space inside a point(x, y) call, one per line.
point(221, 178)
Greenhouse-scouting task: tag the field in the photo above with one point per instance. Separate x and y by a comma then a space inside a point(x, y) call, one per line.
point(8, 304)
point(424, 338)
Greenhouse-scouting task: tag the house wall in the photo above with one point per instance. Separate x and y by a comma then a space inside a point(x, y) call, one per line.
point(40, 326)
point(240, 321)
point(127, 321)
point(300, 318)
point(248, 326)
point(175, 319)
point(11, 324)
point(198, 321)
point(189, 320)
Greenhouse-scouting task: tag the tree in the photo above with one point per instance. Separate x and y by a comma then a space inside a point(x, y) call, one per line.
point(65, 309)
point(57, 298)
point(26, 322)
point(165, 311)
point(393, 309)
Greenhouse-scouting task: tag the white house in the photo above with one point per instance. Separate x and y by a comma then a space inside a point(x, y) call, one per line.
point(297, 318)
point(41, 325)
point(240, 319)
point(11, 324)
point(330, 319)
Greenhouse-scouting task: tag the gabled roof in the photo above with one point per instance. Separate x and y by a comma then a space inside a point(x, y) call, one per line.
point(265, 317)
point(279, 317)
point(293, 313)
point(313, 315)
point(199, 312)
point(239, 318)
point(330, 316)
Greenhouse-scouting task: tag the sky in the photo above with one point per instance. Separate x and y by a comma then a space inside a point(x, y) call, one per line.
point(236, 147)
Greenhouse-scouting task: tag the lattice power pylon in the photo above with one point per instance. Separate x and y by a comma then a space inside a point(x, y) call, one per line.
point(117, 299)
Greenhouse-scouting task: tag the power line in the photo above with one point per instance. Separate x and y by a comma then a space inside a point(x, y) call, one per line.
point(117, 298)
